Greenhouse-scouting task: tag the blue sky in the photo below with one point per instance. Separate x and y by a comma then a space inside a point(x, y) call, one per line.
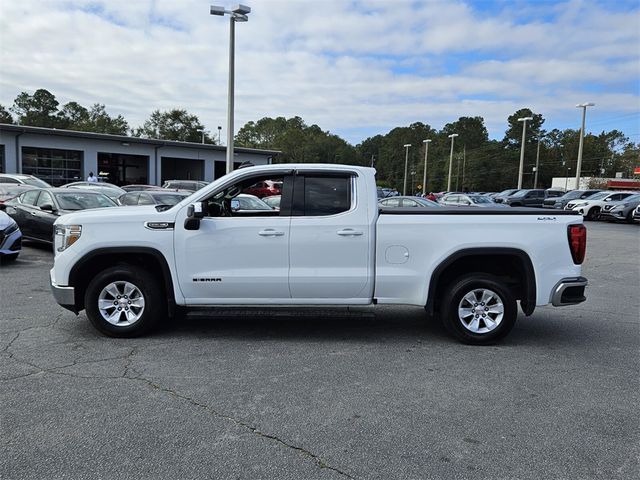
point(356, 68)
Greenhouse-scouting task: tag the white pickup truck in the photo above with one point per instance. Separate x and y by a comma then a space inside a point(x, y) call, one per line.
point(328, 244)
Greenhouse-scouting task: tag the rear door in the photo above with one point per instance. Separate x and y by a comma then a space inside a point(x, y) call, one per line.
point(25, 211)
point(331, 242)
point(43, 220)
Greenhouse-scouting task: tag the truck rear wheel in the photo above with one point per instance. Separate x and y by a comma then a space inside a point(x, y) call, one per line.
point(124, 301)
point(478, 309)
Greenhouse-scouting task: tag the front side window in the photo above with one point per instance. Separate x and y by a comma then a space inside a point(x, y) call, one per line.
point(234, 202)
point(44, 198)
point(326, 195)
point(29, 198)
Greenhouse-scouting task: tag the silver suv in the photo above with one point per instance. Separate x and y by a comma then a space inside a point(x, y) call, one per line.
point(18, 178)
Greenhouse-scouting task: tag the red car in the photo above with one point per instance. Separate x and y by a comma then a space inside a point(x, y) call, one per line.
point(264, 188)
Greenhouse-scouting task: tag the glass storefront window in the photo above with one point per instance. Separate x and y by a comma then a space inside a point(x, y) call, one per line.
point(53, 165)
point(2, 167)
point(123, 169)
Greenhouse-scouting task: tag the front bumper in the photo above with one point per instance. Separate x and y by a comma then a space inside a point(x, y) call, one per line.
point(65, 296)
point(569, 291)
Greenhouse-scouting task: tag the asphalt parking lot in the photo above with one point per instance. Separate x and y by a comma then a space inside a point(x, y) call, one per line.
point(373, 394)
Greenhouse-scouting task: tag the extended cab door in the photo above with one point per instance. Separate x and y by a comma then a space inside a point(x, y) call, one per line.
point(331, 239)
point(235, 257)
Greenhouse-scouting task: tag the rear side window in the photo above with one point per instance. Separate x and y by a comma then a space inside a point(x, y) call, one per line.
point(129, 199)
point(328, 195)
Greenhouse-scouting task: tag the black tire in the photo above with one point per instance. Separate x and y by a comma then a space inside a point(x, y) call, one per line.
point(593, 214)
point(629, 217)
point(4, 259)
point(465, 285)
point(155, 305)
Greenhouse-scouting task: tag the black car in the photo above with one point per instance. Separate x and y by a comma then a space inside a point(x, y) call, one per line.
point(153, 197)
point(561, 202)
point(526, 198)
point(37, 209)
point(499, 197)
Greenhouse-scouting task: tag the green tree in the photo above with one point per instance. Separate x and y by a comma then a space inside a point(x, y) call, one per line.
point(37, 110)
point(176, 124)
point(5, 116)
point(101, 122)
point(73, 116)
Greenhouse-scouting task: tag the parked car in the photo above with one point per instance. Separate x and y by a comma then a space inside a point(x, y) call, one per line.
point(12, 190)
point(590, 207)
point(23, 179)
point(248, 203)
point(499, 197)
point(110, 190)
point(36, 210)
point(621, 209)
point(140, 188)
point(264, 188)
point(152, 197)
point(388, 192)
point(553, 193)
point(10, 238)
point(190, 185)
point(466, 200)
point(273, 201)
point(526, 198)
point(561, 202)
point(407, 202)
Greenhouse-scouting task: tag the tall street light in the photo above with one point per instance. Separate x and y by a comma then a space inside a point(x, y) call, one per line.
point(424, 178)
point(524, 121)
point(406, 165)
point(238, 14)
point(452, 137)
point(583, 106)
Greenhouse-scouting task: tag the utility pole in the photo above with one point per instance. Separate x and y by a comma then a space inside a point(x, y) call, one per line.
point(406, 166)
point(535, 178)
point(583, 106)
point(452, 137)
point(424, 178)
point(458, 175)
point(524, 121)
point(464, 162)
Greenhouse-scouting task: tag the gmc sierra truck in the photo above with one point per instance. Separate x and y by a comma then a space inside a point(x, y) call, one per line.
point(328, 244)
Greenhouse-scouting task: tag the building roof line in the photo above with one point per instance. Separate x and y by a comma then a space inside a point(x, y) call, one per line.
point(7, 127)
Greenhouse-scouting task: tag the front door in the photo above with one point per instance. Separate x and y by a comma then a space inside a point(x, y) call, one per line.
point(234, 257)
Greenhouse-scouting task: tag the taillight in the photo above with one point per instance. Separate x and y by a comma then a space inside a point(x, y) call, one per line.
point(577, 242)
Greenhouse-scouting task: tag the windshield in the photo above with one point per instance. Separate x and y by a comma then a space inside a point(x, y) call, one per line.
point(599, 196)
point(479, 199)
point(632, 198)
point(521, 193)
point(82, 201)
point(505, 193)
point(572, 194)
point(36, 182)
point(172, 199)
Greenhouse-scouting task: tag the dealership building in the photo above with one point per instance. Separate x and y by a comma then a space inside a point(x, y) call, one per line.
point(63, 156)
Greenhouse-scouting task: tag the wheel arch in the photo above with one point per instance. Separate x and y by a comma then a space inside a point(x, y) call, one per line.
point(500, 261)
point(102, 258)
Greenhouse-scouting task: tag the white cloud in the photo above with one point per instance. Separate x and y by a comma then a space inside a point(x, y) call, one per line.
point(346, 66)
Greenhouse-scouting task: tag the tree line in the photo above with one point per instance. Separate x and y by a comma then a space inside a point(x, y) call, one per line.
point(479, 163)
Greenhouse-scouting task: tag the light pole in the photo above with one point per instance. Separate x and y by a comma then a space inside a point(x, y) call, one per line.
point(406, 165)
point(201, 130)
point(219, 133)
point(424, 177)
point(583, 106)
point(524, 121)
point(452, 137)
point(238, 14)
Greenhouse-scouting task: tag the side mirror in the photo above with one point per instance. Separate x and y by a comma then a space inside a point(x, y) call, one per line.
point(47, 207)
point(196, 210)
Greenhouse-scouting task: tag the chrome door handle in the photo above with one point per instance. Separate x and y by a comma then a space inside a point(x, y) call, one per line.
point(270, 232)
point(349, 232)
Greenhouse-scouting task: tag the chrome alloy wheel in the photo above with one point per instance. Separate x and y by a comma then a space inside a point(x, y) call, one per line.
point(121, 303)
point(481, 310)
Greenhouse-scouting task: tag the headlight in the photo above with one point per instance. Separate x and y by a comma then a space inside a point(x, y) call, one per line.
point(583, 204)
point(13, 226)
point(66, 235)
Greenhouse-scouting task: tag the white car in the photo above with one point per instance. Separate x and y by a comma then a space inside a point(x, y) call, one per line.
point(590, 207)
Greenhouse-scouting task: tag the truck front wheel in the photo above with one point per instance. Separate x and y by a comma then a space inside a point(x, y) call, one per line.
point(478, 309)
point(124, 301)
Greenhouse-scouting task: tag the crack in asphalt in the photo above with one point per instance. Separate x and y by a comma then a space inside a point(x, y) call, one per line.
point(129, 357)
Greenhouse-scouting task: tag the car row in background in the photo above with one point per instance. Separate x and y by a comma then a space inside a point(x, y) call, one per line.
point(407, 202)
point(591, 207)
